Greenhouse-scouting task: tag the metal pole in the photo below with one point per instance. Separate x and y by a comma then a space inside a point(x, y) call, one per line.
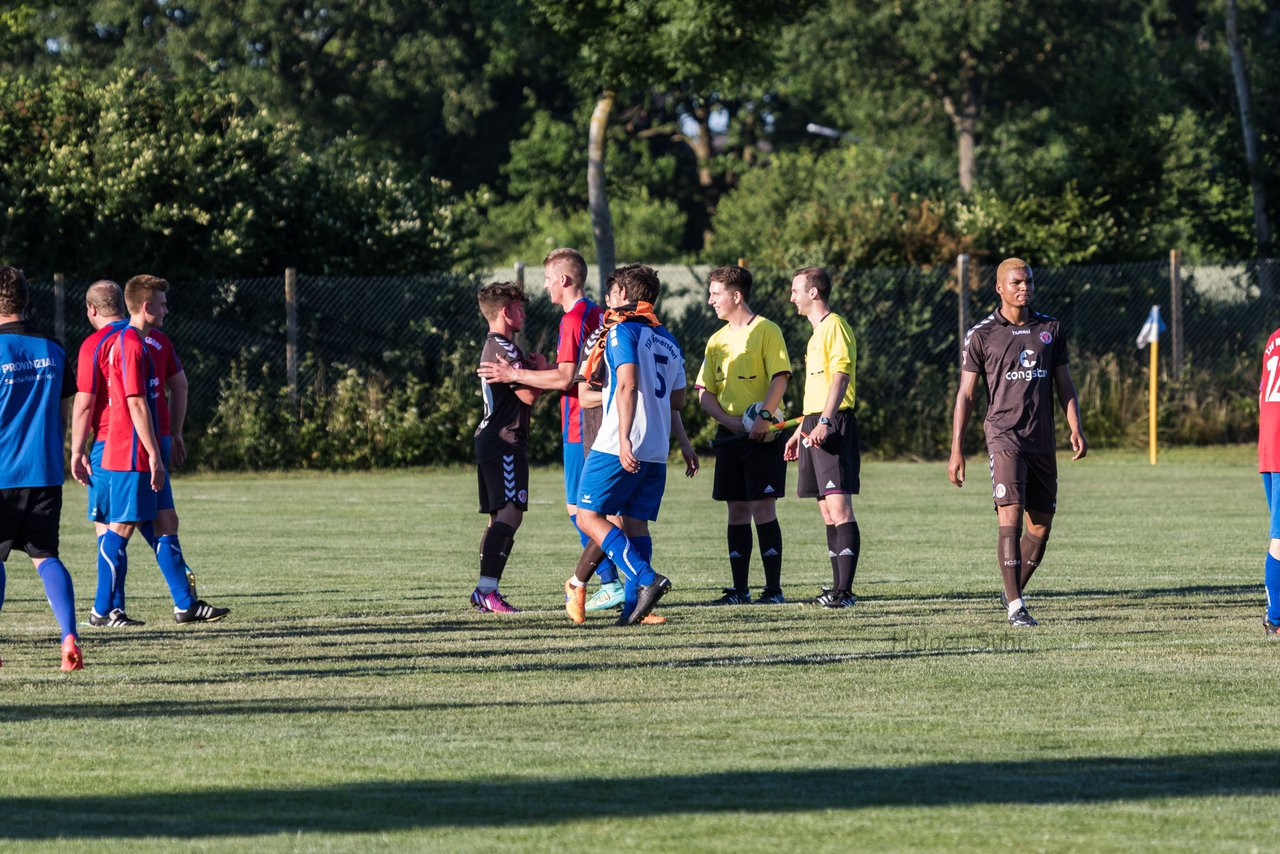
point(520, 273)
point(962, 300)
point(59, 307)
point(1175, 310)
point(291, 332)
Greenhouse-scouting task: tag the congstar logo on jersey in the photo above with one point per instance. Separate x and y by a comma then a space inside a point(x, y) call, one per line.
point(1027, 359)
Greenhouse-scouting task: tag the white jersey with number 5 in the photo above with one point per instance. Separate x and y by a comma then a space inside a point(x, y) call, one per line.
point(660, 367)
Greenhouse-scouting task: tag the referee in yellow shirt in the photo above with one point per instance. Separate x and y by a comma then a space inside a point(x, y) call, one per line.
point(829, 457)
point(746, 362)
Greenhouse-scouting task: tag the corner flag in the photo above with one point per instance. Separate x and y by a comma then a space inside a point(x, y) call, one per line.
point(1152, 328)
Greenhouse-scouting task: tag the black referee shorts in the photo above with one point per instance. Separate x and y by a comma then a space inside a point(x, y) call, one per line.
point(29, 520)
point(835, 467)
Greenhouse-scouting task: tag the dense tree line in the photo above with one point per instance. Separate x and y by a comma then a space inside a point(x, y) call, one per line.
point(212, 137)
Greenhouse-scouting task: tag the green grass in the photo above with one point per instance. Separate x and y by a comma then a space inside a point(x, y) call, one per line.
point(353, 702)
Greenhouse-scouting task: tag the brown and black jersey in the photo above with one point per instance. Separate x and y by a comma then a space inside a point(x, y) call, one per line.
point(1018, 363)
point(505, 425)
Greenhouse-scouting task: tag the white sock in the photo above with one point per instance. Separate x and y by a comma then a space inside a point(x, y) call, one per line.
point(488, 585)
point(574, 582)
point(1014, 606)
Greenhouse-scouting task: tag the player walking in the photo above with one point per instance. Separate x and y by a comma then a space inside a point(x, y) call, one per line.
point(1022, 356)
point(827, 442)
point(746, 362)
point(502, 442)
point(35, 399)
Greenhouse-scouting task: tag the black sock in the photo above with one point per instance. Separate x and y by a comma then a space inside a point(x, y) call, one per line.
point(1032, 553)
point(1009, 559)
point(740, 556)
point(770, 535)
point(848, 543)
point(831, 554)
point(495, 548)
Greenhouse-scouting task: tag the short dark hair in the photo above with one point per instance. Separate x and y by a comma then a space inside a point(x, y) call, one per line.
point(816, 278)
point(496, 296)
point(639, 281)
point(734, 278)
point(15, 296)
point(138, 290)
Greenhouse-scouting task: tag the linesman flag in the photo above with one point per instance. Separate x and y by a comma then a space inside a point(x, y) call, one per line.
point(1152, 328)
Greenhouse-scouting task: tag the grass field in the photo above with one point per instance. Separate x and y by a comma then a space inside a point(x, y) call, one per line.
point(354, 702)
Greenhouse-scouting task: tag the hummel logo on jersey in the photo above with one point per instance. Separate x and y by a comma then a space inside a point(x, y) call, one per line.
point(769, 490)
point(830, 485)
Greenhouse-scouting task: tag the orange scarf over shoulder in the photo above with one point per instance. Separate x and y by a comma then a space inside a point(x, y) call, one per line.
point(642, 312)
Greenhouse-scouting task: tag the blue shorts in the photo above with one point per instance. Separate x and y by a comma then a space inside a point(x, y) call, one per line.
point(1271, 486)
point(573, 462)
point(609, 489)
point(99, 485)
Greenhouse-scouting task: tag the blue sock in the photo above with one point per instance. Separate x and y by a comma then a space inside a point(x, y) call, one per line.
point(607, 572)
point(583, 538)
point(644, 545)
point(169, 556)
point(634, 568)
point(122, 568)
point(62, 598)
point(1, 585)
point(111, 548)
point(148, 532)
point(1273, 590)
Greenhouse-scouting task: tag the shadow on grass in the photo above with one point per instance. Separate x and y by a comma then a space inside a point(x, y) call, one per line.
point(381, 806)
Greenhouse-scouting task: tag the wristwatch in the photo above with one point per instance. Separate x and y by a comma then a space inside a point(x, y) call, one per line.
point(824, 420)
point(766, 415)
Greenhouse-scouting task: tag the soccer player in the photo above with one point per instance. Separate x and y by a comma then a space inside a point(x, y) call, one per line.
point(746, 362)
point(625, 473)
point(136, 454)
point(1022, 356)
point(591, 396)
point(826, 444)
point(502, 442)
point(104, 307)
point(564, 273)
point(35, 400)
point(1269, 467)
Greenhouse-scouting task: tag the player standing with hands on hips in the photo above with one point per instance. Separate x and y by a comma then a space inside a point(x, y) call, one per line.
point(1022, 354)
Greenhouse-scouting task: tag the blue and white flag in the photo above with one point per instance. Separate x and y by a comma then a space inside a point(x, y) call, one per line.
point(1152, 328)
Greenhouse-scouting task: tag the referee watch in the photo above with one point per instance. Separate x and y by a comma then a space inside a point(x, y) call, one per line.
point(822, 419)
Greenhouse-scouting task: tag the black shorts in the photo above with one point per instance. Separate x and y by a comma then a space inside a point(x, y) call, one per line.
point(834, 467)
point(1028, 480)
point(504, 480)
point(749, 471)
point(29, 520)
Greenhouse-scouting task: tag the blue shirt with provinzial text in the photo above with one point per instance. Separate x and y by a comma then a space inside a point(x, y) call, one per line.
point(33, 382)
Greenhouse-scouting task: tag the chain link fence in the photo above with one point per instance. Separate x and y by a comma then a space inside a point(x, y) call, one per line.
point(377, 355)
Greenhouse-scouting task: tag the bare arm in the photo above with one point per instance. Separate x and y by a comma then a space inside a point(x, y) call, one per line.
point(588, 397)
point(960, 420)
point(711, 405)
point(1071, 408)
point(177, 386)
point(772, 400)
point(140, 414)
point(81, 412)
point(558, 378)
point(691, 464)
point(835, 395)
point(625, 399)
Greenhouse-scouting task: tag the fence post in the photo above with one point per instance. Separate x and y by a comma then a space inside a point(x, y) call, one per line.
point(962, 299)
point(520, 273)
point(59, 306)
point(1175, 310)
point(291, 332)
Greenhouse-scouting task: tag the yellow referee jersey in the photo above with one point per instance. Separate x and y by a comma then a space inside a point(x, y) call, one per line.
point(740, 363)
point(831, 350)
